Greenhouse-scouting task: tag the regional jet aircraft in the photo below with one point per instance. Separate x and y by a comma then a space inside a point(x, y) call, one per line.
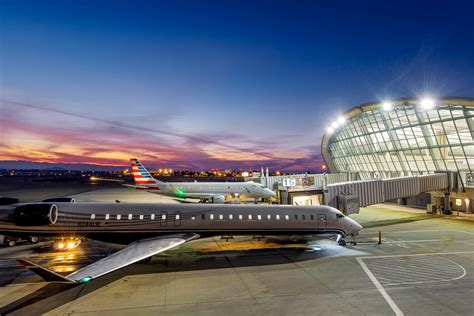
point(216, 192)
point(149, 229)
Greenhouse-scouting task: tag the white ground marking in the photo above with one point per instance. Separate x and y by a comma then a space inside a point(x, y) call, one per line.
point(422, 272)
point(379, 287)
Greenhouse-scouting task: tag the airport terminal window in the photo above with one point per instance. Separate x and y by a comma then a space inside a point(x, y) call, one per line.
point(287, 217)
point(269, 217)
point(107, 216)
point(119, 217)
point(211, 216)
point(278, 217)
point(312, 217)
point(163, 217)
point(250, 216)
point(176, 217)
point(130, 216)
point(203, 216)
point(304, 217)
point(141, 216)
point(152, 216)
point(92, 216)
point(241, 216)
point(221, 216)
point(296, 216)
point(231, 216)
point(259, 217)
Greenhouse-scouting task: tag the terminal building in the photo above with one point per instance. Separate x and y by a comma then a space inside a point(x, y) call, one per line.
point(406, 137)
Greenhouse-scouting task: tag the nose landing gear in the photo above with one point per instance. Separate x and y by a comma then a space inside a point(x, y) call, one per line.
point(340, 240)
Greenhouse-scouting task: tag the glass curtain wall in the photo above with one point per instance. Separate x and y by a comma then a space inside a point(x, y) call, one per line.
point(407, 140)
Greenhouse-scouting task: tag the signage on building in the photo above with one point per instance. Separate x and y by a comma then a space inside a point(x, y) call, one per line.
point(289, 182)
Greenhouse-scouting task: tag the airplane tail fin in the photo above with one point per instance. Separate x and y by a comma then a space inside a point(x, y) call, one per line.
point(141, 176)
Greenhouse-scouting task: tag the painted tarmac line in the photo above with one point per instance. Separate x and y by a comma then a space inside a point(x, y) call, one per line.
point(420, 254)
point(379, 287)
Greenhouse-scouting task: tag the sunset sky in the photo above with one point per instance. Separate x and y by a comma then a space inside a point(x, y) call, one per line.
point(214, 84)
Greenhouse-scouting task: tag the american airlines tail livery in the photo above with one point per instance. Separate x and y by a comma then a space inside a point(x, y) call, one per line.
point(215, 192)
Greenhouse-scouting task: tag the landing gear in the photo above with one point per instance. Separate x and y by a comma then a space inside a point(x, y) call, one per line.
point(340, 240)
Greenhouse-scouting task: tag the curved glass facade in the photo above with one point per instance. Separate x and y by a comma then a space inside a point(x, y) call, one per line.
point(406, 138)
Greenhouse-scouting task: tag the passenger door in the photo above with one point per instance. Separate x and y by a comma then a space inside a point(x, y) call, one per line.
point(322, 221)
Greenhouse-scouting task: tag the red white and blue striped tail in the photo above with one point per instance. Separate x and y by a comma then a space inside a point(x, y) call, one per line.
point(141, 176)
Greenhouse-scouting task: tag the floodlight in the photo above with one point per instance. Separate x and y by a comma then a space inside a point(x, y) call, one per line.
point(427, 103)
point(341, 120)
point(330, 130)
point(387, 106)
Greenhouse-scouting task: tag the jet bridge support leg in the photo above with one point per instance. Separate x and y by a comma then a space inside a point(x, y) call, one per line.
point(447, 206)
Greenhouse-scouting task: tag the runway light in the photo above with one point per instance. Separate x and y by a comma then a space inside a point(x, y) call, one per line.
point(61, 245)
point(427, 103)
point(70, 245)
point(330, 130)
point(387, 106)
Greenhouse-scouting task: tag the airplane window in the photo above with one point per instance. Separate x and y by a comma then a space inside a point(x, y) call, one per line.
point(278, 217)
point(304, 217)
point(193, 217)
point(163, 217)
point(221, 216)
point(130, 216)
point(107, 216)
point(119, 217)
point(340, 215)
point(296, 216)
point(231, 216)
point(203, 216)
point(269, 216)
point(152, 216)
point(240, 216)
point(176, 217)
point(250, 216)
point(259, 217)
point(92, 216)
point(312, 217)
point(141, 216)
point(211, 216)
point(287, 217)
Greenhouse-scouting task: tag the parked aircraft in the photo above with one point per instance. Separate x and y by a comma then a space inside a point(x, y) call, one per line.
point(215, 192)
point(149, 229)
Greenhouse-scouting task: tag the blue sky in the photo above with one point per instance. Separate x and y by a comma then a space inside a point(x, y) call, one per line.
point(201, 84)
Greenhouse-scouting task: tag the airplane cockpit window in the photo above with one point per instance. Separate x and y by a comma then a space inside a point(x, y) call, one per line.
point(340, 215)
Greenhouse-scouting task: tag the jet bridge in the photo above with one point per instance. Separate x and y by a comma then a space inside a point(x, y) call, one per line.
point(349, 196)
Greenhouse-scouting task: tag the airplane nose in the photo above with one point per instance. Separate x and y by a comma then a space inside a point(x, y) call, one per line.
point(270, 193)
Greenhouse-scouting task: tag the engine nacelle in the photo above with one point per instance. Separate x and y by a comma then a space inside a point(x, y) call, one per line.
point(35, 214)
point(218, 199)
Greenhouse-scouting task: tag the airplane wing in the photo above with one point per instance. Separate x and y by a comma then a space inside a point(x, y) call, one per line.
point(135, 186)
point(134, 252)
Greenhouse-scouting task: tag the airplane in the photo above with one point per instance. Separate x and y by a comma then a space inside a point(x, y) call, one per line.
point(215, 192)
point(148, 229)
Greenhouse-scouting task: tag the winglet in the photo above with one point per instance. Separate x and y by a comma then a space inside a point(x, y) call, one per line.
point(44, 273)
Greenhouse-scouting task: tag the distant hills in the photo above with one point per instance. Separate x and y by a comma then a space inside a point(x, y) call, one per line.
point(18, 164)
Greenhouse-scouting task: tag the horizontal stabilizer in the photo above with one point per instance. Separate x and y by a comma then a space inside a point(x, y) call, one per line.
point(46, 274)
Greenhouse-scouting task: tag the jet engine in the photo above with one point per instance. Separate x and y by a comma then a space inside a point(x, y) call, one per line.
point(218, 199)
point(35, 214)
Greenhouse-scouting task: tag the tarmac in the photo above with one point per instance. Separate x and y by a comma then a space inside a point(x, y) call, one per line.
point(424, 266)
